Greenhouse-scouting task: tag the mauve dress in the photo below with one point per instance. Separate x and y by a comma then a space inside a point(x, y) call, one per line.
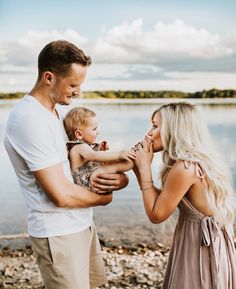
point(202, 255)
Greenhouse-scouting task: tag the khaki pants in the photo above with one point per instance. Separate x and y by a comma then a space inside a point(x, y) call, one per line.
point(71, 261)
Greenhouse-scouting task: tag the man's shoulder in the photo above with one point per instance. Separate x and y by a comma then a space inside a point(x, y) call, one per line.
point(26, 111)
point(26, 118)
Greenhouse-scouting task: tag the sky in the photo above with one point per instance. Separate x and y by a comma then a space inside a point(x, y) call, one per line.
point(134, 44)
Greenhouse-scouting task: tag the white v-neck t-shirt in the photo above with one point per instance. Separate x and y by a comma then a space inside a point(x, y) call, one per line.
point(35, 139)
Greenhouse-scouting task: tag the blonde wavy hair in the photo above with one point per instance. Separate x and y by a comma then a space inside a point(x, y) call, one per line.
point(185, 137)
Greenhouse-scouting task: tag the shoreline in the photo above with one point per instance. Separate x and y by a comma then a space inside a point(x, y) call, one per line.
point(139, 268)
point(111, 241)
point(198, 101)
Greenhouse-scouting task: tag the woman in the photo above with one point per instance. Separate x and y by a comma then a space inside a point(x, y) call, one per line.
point(195, 180)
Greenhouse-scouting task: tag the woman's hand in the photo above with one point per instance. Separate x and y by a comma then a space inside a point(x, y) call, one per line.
point(144, 154)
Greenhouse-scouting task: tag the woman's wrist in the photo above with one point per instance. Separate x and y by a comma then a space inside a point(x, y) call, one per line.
point(144, 189)
point(146, 184)
point(145, 168)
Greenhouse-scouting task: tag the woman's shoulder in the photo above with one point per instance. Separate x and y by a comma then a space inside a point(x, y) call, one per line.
point(184, 168)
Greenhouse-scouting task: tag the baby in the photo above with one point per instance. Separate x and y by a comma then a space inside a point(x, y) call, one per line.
point(88, 158)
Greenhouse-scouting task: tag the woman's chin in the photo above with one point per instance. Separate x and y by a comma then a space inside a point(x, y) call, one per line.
point(158, 149)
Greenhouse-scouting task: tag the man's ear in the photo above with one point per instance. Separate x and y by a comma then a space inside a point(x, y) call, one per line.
point(78, 134)
point(48, 77)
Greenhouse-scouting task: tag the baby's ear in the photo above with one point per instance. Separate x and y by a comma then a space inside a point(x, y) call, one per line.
point(78, 134)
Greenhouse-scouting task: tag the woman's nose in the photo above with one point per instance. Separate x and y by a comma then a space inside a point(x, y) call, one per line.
point(149, 133)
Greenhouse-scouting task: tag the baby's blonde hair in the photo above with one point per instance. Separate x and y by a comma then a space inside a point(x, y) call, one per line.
point(185, 137)
point(76, 118)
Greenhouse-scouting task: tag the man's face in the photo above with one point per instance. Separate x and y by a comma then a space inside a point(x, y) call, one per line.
point(63, 88)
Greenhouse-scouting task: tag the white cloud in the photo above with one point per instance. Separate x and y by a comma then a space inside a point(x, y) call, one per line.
point(34, 39)
point(2, 53)
point(123, 71)
point(165, 42)
point(231, 40)
point(180, 81)
point(23, 54)
point(190, 82)
point(129, 57)
point(106, 71)
point(12, 82)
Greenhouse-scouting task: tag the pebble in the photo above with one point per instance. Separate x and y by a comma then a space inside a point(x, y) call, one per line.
point(137, 268)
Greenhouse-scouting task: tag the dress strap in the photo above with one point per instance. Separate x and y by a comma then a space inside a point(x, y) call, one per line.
point(200, 173)
point(72, 143)
point(198, 168)
point(209, 233)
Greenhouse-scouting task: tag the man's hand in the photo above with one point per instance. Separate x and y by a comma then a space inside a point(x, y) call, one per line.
point(104, 183)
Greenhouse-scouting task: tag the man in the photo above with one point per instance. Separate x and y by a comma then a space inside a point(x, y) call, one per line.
point(59, 212)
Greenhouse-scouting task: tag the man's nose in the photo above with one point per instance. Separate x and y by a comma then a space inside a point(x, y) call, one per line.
point(76, 92)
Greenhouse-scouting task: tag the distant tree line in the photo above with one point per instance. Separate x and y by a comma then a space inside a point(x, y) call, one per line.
point(213, 93)
point(13, 95)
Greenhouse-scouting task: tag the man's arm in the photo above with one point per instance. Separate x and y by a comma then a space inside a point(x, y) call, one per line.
point(65, 194)
point(110, 182)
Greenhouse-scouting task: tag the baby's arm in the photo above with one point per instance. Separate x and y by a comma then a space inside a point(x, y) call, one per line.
point(104, 156)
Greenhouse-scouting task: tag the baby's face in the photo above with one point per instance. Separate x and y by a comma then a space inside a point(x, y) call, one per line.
point(90, 131)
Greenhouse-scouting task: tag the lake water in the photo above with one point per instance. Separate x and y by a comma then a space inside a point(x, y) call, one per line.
point(122, 125)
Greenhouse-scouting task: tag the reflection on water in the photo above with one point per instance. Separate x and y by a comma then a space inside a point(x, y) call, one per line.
point(122, 125)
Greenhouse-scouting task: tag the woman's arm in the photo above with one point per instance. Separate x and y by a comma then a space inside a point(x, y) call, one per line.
point(160, 204)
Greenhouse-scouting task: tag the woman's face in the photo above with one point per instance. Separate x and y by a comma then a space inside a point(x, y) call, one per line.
point(155, 133)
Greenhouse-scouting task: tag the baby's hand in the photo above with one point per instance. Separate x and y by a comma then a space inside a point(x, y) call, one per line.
point(103, 146)
point(146, 140)
point(128, 155)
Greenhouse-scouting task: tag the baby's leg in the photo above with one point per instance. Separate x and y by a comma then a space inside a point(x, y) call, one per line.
point(112, 168)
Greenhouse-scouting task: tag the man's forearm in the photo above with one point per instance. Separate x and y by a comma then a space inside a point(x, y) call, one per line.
point(66, 194)
point(79, 197)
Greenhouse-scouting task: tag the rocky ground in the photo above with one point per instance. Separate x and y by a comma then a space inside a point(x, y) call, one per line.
point(137, 267)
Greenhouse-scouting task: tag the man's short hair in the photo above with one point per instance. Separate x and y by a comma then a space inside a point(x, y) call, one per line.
point(57, 57)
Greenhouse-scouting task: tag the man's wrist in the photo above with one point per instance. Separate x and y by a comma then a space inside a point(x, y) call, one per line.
point(124, 181)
